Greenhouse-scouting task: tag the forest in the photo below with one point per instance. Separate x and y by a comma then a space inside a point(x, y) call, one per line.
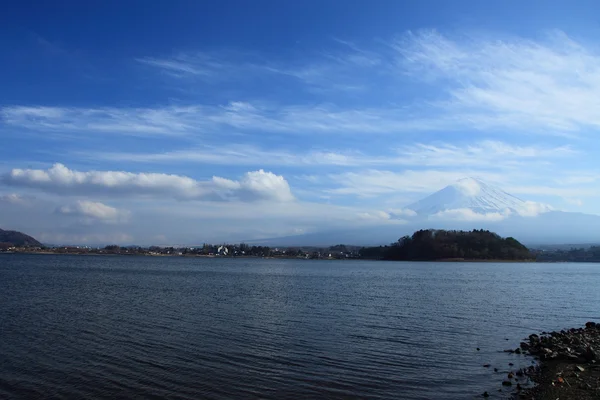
point(432, 244)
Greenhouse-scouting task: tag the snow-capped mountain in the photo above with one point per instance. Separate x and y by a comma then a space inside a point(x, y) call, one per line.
point(466, 204)
point(472, 194)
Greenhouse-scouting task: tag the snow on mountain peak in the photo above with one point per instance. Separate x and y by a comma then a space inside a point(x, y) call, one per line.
point(473, 196)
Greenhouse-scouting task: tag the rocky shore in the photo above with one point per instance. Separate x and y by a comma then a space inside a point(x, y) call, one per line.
point(568, 365)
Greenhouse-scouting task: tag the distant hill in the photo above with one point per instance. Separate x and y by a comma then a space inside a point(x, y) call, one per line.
point(18, 239)
point(431, 245)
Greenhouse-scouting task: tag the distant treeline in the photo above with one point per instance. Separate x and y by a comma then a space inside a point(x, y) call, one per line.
point(430, 245)
point(591, 254)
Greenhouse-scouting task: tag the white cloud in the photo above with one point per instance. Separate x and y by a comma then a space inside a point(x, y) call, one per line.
point(466, 214)
point(374, 216)
point(205, 119)
point(235, 154)
point(93, 210)
point(166, 121)
point(479, 154)
point(548, 86)
point(528, 209)
point(253, 186)
point(532, 209)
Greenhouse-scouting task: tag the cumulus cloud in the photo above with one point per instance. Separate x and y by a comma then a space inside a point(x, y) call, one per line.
point(93, 210)
point(466, 214)
point(253, 186)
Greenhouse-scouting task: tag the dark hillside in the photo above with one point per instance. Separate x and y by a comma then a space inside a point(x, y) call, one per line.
point(18, 239)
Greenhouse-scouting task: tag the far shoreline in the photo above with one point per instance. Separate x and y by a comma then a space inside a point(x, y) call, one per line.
point(444, 260)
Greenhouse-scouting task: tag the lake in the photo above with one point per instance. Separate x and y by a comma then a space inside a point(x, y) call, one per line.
point(190, 328)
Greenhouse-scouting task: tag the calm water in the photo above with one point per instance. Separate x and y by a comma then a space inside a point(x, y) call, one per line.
point(132, 327)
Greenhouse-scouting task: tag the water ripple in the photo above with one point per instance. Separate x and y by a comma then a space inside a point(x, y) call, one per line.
point(170, 328)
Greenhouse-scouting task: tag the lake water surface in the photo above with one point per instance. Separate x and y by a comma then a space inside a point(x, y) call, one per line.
point(196, 328)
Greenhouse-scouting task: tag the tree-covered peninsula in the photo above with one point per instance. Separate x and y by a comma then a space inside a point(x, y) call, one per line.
point(432, 244)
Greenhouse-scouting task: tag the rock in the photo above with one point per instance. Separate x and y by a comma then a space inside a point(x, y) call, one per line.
point(506, 383)
point(534, 338)
point(590, 354)
point(517, 351)
point(486, 365)
point(524, 346)
point(590, 325)
point(478, 349)
point(486, 394)
point(580, 369)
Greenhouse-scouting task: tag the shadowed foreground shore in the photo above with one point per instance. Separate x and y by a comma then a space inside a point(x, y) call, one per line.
point(569, 364)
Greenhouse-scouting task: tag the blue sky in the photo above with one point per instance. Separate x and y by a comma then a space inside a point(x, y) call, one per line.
point(173, 122)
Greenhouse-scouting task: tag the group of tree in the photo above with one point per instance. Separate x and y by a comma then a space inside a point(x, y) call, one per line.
point(591, 254)
point(430, 245)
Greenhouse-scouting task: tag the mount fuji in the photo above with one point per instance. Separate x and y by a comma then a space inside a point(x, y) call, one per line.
point(468, 203)
point(474, 195)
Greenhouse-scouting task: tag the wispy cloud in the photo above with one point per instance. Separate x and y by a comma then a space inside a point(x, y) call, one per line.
point(545, 86)
point(136, 122)
point(253, 186)
point(478, 154)
point(210, 68)
point(175, 67)
point(202, 119)
point(371, 183)
point(548, 86)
